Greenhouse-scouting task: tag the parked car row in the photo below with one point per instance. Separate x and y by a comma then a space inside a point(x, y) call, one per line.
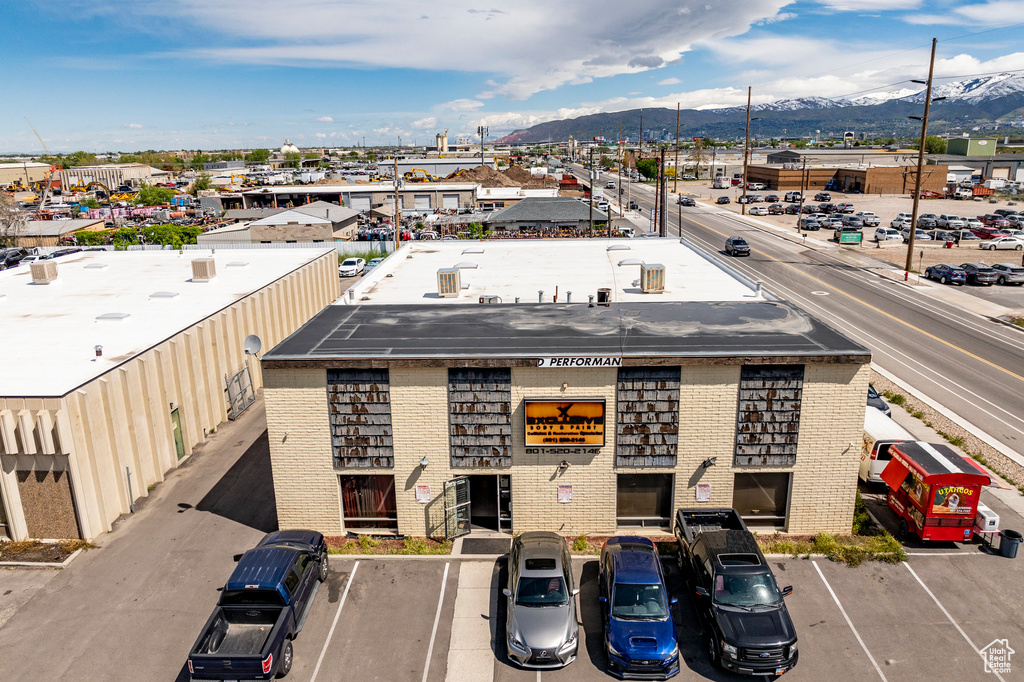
point(976, 273)
point(740, 605)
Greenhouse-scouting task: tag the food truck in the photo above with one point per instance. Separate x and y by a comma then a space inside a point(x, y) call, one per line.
point(933, 490)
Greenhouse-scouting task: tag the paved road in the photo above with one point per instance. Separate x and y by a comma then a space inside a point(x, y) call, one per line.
point(962, 360)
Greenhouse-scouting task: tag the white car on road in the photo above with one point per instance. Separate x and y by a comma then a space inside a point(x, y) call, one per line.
point(351, 267)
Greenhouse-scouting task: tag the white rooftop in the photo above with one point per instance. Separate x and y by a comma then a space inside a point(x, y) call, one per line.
point(50, 330)
point(521, 268)
point(361, 187)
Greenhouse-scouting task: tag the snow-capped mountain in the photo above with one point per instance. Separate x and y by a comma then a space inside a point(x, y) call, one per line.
point(975, 89)
point(881, 97)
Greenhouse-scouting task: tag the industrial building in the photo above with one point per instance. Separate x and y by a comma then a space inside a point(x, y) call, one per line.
point(112, 175)
point(120, 363)
point(311, 223)
point(422, 197)
point(52, 232)
point(581, 386)
point(22, 173)
point(862, 179)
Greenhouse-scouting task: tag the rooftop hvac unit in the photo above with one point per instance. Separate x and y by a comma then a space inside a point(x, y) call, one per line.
point(44, 272)
point(449, 284)
point(203, 269)
point(652, 278)
point(490, 299)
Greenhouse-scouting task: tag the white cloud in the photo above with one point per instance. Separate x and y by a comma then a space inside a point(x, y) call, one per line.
point(870, 5)
point(669, 81)
point(428, 122)
point(988, 13)
point(321, 136)
point(324, 119)
point(133, 125)
point(461, 105)
point(594, 39)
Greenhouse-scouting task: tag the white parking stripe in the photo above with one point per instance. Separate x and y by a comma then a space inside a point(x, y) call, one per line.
point(955, 624)
point(337, 615)
point(437, 617)
point(849, 622)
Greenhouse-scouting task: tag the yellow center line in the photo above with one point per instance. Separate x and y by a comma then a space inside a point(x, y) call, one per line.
point(868, 305)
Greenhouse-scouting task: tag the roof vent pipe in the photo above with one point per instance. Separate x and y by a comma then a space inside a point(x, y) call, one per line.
point(591, 301)
point(757, 292)
point(568, 297)
point(351, 294)
point(540, 296)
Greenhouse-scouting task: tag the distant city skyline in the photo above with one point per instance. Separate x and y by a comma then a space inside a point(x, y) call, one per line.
point(112, 75)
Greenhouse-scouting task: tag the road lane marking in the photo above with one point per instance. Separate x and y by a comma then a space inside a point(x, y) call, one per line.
point(872, 307)
point(437, 617)
point(337, 615)
point(849, 622)
point(943, 609)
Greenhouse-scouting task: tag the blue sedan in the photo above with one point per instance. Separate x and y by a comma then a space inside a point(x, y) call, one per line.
point(946, 274)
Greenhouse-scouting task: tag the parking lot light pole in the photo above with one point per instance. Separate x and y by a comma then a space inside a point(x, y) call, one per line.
point(920, 161)
point(803, 186)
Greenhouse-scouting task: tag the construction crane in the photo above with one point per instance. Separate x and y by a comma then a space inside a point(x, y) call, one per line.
point(53, 167)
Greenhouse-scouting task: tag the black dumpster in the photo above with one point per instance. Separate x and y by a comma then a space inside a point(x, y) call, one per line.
point(1008, 542)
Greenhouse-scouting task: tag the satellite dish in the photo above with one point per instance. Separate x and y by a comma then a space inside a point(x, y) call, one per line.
point(252, 344)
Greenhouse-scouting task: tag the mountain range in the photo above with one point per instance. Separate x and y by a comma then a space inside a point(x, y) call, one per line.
point(968, 103)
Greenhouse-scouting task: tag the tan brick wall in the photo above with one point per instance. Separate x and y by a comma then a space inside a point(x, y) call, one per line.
point(823, 479)
point(305, 484)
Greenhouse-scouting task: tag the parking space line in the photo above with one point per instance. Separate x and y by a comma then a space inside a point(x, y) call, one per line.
point(437, 617)
point(337, 615)
point(955, 624)
point(849, 622)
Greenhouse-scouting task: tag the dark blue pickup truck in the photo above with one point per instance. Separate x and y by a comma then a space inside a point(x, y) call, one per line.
point(261, 609)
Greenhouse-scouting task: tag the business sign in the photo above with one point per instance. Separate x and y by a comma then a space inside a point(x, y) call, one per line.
point(703, 492)
point(599, 361)
point(851, 237)
point(423, 494)
point(555, 422)
point(564, 494)
point(952, 499)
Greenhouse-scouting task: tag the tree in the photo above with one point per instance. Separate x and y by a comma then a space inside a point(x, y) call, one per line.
point(89, 202)
point(933, 144)
point(201, 183)
point(648, 168)
point(173, 235)
point(154, 196)
point(293, 159)
point(258, 156)
point(477, 231)
point(12, 222)
point(91, 237)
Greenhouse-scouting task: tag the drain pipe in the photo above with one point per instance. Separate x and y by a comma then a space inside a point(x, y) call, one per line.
point(568, 297)
point(131, 497)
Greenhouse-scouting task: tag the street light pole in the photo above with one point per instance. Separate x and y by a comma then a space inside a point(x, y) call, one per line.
point(803, 185)
point(675, 183)
point(482, 130)
point(920, 162)
point(591, 232)
point(746, 154)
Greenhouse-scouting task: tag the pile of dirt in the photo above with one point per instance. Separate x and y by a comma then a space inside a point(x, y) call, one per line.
point(486, 176)
point(526, 179)
point(35, 551)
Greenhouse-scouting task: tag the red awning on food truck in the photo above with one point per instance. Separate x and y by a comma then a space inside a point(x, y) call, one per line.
point(934, 463)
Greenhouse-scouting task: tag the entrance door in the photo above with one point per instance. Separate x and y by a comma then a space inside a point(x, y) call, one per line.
point(504, 503)
point(179, 440)
point(483, 510)
point(456, 507)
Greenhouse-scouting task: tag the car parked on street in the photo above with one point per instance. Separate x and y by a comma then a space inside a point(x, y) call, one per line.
point(1003, 244)
point(722, 200)
point(737, 246)
point(639, 632)
point(541, 625)
point(979, 273)
point(887, 234)
point(350, 267)
point(950, 274)
point(1009, 273)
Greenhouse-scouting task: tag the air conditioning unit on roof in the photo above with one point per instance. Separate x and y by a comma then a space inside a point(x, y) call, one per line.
point(44, 271)
point(652, 278)
point(449, 283)
point(203, 269)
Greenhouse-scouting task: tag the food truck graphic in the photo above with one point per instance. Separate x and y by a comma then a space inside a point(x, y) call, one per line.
point(933, 490)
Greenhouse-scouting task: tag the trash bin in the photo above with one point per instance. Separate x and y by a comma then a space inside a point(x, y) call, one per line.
point(1008, 542)
point(949, 245)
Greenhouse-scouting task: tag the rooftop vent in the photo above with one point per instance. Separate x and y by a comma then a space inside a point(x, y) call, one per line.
point(631, 261)
point(163, 294)
point(652, 278)
point(473, 249)
point(95, 266)
point(466, 265)
point(113, 317)
point(44, 272)
point(203, 269)
point(449, 283)
point(237, 264)
point(618, 247)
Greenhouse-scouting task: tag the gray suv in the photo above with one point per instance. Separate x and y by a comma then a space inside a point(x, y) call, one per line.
point(541, 628)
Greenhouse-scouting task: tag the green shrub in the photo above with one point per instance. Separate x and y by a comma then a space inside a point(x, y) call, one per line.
point(366, 543)
point(580, 544)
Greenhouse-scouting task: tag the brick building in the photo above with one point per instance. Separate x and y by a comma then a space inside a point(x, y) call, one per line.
point(427, 408)
point(857, 179)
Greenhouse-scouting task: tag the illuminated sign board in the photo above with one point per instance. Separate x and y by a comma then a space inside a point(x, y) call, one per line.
point(556, 422)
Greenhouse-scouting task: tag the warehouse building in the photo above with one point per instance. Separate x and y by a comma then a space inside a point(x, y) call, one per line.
point(22, 173)
point(424, 197)
point(857, 179)
point(581, 386)
point(120, 363)
point(311, 223)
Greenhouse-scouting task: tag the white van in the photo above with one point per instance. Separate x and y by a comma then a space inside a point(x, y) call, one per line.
point(879, 433)
point(721, 182)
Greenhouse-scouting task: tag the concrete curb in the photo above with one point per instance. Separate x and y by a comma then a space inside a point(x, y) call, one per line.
point(42, 564)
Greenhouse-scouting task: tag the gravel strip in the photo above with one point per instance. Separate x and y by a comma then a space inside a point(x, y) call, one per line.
point(971, 446)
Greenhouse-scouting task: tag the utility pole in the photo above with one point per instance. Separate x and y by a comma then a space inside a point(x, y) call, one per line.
point(618, 185)
point(398, 213)
point(591, 232)
point(803, 185)
point(657, 197)
point(482, 130)
point(920, 160)
point(714, 153)
point(675, 185)
point(746, 154)
point(640, 142)
point(663, 191)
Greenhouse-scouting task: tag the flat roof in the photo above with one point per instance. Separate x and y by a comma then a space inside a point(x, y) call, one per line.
point(55, 228)
point(50, 331)
point(348, 188)
point(510, 268)
point(527, 332)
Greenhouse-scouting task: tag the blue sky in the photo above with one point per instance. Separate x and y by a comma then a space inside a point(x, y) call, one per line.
point(113, 75)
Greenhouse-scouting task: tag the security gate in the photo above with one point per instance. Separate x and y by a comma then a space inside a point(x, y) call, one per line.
point(240, 391)
point(456, 507)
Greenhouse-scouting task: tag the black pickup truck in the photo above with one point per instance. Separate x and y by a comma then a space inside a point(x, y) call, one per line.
point(261, 609)
point(745, 619)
